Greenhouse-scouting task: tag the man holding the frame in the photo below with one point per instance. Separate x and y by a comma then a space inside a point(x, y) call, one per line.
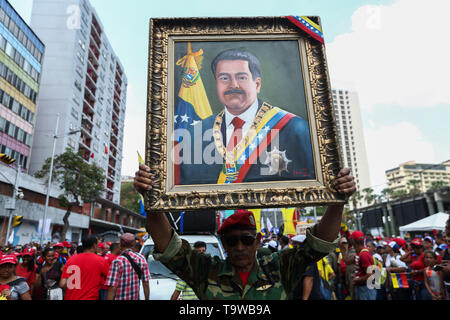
point(245, 131)
point(242, 275)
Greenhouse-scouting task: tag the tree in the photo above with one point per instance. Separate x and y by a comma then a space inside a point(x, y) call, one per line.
point(129, 198)
point(81, 182)
point(414, 186)
point(369, 196)
point(356, 198)
point(386, 194)
point(399, 193)
point(436, 185)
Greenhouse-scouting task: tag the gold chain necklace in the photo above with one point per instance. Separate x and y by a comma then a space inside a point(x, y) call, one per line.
point(231, 156)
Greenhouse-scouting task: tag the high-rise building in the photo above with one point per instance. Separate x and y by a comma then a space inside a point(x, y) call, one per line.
point(410, 175)
point(21, 55)
point(84, 81)
point(351, 136)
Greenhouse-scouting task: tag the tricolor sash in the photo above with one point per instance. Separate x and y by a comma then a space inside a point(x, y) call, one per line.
point(254, 144)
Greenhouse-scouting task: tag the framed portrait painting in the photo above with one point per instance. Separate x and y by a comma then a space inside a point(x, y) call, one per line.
point(239, 115)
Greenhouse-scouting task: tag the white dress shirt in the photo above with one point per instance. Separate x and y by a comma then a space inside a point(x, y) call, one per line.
point(248, 116)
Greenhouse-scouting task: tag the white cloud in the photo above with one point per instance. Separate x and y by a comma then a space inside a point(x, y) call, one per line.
point(396, 54)
point(388, 146)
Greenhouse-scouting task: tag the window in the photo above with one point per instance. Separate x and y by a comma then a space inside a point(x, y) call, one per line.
point(82, 45)
point(15, 106)
point(5, 99)
point(74, 113)
point(11, 130)
point(9, 49)
point(2, 124)
point(78, 85)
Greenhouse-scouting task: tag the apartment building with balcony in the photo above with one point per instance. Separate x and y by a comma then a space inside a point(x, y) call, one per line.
point(84, 81)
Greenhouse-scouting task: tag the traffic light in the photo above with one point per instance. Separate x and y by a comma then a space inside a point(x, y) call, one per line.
point(17, 221)
point(6, 159)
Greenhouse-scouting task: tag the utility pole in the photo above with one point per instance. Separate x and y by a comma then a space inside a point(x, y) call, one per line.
point(55, 136)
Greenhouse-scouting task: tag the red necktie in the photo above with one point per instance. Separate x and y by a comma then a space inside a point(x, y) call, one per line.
point(237, 133)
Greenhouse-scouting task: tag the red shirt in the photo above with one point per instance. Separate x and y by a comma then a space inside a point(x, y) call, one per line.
point(418, 263)
point(109, 258)
point(85, 274)
point(23, 272)
point(244, 277)
point(364, 260)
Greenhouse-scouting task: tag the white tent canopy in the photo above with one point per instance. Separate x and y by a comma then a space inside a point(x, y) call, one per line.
point(435, 221)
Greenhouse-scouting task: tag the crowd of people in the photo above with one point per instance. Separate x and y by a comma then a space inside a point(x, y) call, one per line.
point(90, 270)
point(374, 268)
point(363, 267)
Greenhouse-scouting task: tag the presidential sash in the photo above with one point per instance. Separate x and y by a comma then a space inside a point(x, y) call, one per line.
point(266, 126)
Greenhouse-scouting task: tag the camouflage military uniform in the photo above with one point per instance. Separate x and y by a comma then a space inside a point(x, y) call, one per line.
point(273, 277)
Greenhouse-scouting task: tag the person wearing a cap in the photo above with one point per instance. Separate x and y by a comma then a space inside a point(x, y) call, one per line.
point(59, 247)
point(348, 257)
point(27, 269)
point(363, 260)
point(428, 243)
point(242, 275)
point(123, 279)
point(12, 286)
point(84, 274)
point(415, 259)
point(393, 264)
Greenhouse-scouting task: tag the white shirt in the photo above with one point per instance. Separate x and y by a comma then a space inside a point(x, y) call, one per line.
point(248, 116)
point(394, 261)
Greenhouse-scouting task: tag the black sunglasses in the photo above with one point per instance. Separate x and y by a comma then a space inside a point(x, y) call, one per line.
point(246, 240)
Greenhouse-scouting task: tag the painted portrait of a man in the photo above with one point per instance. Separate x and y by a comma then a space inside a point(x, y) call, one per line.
point(231, 132)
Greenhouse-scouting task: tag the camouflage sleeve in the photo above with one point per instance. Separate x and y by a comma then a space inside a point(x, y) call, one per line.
point(293, 262)
point(188, 264)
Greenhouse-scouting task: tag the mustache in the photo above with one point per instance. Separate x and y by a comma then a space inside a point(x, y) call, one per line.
point(239, 254)
point(234, 91)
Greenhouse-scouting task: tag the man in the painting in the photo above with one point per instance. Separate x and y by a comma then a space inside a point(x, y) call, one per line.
point(250, 140)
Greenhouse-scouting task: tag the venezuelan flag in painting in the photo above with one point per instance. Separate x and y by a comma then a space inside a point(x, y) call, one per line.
point(192, 103)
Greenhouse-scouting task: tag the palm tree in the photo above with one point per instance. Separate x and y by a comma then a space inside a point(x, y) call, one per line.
point(356, 198)
point(436, 185)
point(386, 194)
point(414, 186)
point(369, 196)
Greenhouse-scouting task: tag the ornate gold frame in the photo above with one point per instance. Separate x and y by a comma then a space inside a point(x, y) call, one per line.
point(247, 195)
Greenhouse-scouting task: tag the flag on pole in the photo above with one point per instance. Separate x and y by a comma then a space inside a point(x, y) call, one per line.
point(141, 198)
point(269, 226)
point(263, 227)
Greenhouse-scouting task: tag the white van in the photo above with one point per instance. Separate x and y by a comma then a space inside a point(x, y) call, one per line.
point(163, 281)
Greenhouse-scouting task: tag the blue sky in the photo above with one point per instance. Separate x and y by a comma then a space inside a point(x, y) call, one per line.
point(398, 68)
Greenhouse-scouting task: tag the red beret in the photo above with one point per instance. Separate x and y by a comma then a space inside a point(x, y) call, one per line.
point(101, 245)
point(417, 242)
point(242, 219)
point(59, 244)
point(358, 235)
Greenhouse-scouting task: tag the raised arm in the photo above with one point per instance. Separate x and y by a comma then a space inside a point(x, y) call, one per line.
point(330, 224)
point(158, 226)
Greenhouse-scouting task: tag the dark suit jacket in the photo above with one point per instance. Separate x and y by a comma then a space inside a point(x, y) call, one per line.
point(294, 138)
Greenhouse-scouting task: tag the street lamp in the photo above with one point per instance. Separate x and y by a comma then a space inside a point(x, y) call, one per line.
point(55, 136)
